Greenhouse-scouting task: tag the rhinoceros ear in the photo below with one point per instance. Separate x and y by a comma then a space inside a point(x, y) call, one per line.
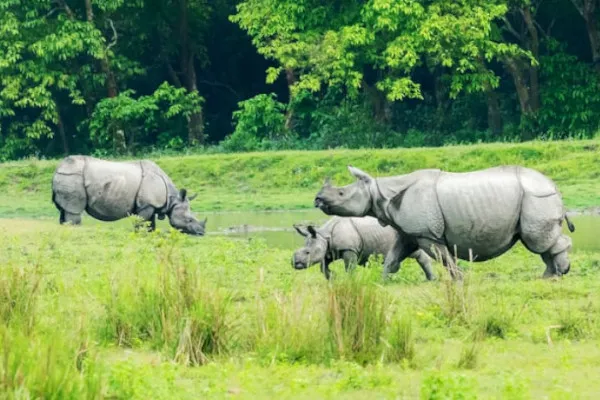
point(312, 231)
point(359, 174)
point(182, 194)
point(301, 230)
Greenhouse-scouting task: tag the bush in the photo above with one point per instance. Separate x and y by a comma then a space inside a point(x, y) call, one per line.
point(259, 122)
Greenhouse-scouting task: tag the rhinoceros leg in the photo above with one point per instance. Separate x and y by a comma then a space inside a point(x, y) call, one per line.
point(148, 214)
point(350, 260)
point(71, 218)
point(398, 253)
point(425, 262)
point(325, 268)
point(443, 255)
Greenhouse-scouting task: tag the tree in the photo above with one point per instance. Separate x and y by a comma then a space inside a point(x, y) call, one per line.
point(41, 50)
point(336, 43)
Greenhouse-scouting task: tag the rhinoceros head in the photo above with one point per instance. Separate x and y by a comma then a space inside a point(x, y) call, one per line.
point(352, 200)
point(181, 216)
point(314, 250)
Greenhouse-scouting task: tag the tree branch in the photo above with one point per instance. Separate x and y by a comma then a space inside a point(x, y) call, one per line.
point(115, 36)
point(173, 74)
point(579, 7)
point(223, 85)
point(65, 6)
point(508, 26)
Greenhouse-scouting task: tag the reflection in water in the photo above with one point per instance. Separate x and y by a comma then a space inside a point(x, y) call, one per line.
point(276, 227)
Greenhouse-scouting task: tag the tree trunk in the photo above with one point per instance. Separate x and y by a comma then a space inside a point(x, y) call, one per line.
point(290, 76)
point(594, 35)
point(110, 83)
point(62, 133)
point(534, 46)
point(495, 124)
point(587, 9)
point(516, 72)
point(196, 120)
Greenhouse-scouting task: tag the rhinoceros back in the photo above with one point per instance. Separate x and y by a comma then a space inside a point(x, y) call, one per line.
point(111, 188)
point(68, 190)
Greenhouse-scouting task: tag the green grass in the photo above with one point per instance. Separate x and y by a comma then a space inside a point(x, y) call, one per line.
point(98, 311)
point(289, 180)
point(102, 312)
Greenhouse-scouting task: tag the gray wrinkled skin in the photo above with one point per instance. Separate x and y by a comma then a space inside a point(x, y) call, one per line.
point(354, 240)
point(475, 215)
point(111, 190)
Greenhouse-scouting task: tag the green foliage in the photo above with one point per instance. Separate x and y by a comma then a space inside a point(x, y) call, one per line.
point(165, 111)
point(258, 121)
point(443, 385)
point(570, 106)
point(333, 45)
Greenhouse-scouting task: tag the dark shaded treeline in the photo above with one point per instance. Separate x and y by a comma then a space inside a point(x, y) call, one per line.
point(110, 76)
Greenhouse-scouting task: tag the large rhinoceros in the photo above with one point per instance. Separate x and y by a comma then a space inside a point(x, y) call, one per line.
point(111, 190)
point(475, 215)
point(354, 240)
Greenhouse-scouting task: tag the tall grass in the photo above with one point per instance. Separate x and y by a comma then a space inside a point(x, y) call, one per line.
point(168, 304)
point(47, 365)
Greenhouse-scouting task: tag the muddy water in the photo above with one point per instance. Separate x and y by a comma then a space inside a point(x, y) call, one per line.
point(276, 227)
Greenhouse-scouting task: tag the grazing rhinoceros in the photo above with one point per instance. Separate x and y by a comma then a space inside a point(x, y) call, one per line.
point(110, 190)
point(354, 240)
point(475, 215)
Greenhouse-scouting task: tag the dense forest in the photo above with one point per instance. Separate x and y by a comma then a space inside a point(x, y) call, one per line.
point(109, 77)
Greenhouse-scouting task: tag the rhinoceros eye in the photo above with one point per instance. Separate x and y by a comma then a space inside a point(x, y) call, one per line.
point(341, 193)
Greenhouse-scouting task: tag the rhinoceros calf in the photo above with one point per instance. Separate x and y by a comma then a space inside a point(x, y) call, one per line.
point(354, 240)
point(111, 190)
point(475, 215)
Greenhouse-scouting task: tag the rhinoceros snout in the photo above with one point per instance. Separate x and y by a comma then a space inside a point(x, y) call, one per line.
point(319, 202)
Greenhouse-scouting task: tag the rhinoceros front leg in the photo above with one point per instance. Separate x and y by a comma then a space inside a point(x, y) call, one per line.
point(325, 268)
point(350, 260)
point(425, 262)
point(148, 214)
point(67, 217)
point(394, 257)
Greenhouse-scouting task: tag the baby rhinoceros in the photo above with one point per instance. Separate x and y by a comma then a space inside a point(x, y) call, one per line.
point(111, 190)
point(354, 240)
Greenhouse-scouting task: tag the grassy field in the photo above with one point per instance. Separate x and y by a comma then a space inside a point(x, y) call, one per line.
point(96, 312)
point(289, 180)
point(101, 312)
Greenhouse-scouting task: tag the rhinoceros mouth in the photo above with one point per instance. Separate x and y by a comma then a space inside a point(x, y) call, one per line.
point(299, 265)
point(320, 204)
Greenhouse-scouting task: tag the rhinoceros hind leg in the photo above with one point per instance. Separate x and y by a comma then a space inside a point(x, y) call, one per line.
point(67, 217)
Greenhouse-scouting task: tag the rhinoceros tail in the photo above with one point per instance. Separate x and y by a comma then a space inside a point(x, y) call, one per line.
point(569, 224)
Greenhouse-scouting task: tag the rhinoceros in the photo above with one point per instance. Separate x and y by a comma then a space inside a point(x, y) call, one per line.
point(476, 215)
point(354, 240)
point(112, 190)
